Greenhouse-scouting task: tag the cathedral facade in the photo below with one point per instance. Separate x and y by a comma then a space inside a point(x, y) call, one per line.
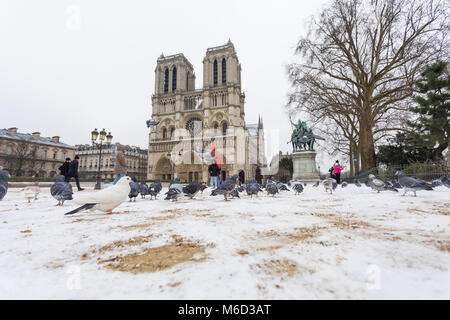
point(193, 121)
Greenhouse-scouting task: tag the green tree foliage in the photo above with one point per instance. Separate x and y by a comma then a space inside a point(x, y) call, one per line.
point(431, 130)
point(401, 151)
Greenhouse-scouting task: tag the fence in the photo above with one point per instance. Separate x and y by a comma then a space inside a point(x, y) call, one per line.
point(425, 171)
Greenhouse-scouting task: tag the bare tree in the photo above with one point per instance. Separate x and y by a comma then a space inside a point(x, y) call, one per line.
point(23, 156)
point(361, 58)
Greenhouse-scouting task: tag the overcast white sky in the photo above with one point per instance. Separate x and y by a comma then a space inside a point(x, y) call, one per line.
point(67, 67)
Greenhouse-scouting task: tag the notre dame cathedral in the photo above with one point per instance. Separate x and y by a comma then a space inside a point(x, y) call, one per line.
point(191, 120)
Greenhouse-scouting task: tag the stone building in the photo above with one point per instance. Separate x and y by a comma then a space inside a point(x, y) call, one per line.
point(136, 159)
point(25, 154)
point(192, 120)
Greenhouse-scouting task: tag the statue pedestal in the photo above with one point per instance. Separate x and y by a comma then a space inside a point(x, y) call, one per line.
point(304, 163)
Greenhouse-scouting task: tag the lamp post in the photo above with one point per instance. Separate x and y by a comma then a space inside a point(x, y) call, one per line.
point(101, 136)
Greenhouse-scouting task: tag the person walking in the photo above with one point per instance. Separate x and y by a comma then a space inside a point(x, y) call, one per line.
point(64, 168)
point(241, 177)
point(337, 171)
point(214, 172)
point(258, 175)
point(73, 172)
point(120, 165)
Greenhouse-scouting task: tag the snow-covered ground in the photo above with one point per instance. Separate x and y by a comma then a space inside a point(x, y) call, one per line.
point(354, 244)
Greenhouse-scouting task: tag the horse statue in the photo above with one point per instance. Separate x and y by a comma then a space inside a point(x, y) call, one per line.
point(302, 137)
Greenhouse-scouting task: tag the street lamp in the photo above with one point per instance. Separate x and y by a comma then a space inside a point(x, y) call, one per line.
point(94, 135)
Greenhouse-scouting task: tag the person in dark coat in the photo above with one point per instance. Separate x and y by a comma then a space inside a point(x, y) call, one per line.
point(64, 169)
point(73, 172)
point(214, 172)
point(258, 175)
point(241, 177)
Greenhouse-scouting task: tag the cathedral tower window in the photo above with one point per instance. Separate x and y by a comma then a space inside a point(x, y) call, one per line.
point(224, 71)
point(174, 79)
point(166, 81)
point(215, 72)
point(164, 133)
point(224, 128)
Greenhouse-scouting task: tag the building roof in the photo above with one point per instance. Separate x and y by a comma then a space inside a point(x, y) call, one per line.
point(4, 133)
point(87, 147)
point(177, 56)
point(229, 44)
point(252, 128)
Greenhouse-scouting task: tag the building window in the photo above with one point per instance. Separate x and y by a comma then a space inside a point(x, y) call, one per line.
point(224, 128)
point(215, 73)
point(224, 71)
point(44, 154)
point(164, 133)
point(172, 133)
point(194, 126)
point(216, 127)
point(54, 155)
point(166, 81)
point(174, 79)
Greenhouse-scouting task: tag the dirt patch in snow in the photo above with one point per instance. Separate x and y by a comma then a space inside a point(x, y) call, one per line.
point(157, 258)
point(135, 241)
point(277, 267)
point(348, 223)
point(134, 226)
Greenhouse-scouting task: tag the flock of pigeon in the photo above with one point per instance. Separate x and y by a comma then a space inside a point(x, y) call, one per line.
point(127, 187)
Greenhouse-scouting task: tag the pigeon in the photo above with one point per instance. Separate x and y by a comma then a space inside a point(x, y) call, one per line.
point(32, 191)
point(105, 200)
point(143, 190)
point(357, 183)
point(203, 186)
point(4, 176)
point(252, 188)
point(298, 188)
point(134, 191)
point(436, 183)
point(61, 190)
point(152, 123)
point(411, 184)
point(445, 181)
point(379, 185)
point(316, 184)
point(395, 184)
point(388, 184)
point(343, 184)
point(271, 188)
point(174, 181)
point(226, 187)
point(191, 189)
point(367, 183)
point(175, 190)
point(282, 187)
point(155, 188)
point(235, 193)
point(328, 184)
